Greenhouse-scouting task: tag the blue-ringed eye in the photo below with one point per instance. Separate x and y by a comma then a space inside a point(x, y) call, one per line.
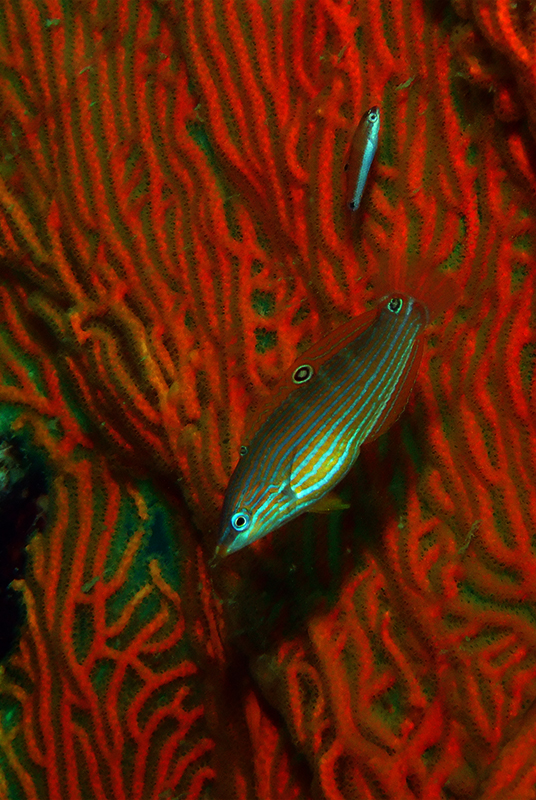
point(240, 521)
point(395, 305)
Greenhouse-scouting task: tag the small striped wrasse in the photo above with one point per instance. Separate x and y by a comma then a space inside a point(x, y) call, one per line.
point(361, 155)
point(344, 391)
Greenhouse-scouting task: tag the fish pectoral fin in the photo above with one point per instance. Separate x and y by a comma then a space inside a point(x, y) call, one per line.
point(288, 492)
point(330, 502)
point(285, 489)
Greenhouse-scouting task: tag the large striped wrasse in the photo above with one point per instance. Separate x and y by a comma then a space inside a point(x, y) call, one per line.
point(344, 391)
point(361, 155)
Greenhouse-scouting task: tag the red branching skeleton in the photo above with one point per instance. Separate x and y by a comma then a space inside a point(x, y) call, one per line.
point(172, 232)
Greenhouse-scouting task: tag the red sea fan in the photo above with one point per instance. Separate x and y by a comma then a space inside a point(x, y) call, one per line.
point(494, 46)
point(172, 232)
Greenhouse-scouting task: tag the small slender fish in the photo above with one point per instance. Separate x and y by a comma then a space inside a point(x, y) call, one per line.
point(344, 391)
point(361, 155)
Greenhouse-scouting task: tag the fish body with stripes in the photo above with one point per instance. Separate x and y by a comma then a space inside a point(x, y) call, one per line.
point(344, 391)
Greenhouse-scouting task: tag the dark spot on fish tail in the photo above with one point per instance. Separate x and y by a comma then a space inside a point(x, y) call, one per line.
point(395, 305)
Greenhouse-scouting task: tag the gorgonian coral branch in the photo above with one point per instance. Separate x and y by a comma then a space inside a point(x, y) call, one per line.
point(173, 228)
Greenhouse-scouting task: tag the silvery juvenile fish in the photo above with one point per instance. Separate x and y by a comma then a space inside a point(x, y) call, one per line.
point(361, 155)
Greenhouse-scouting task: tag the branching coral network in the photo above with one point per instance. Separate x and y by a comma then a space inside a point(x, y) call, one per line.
point(173, 232)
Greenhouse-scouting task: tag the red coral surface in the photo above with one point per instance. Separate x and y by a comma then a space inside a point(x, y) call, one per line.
point(494, 45)
point(172, 232)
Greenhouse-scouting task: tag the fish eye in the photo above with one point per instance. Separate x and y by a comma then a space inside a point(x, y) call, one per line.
point(395, 305)
point(302, 374)
point(240, 521)
point(243, 450)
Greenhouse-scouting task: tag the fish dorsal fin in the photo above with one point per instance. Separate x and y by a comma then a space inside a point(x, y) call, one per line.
point(400, 394)
point(314, 356)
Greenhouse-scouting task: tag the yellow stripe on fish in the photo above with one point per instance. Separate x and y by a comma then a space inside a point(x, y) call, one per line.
point(344, 391)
